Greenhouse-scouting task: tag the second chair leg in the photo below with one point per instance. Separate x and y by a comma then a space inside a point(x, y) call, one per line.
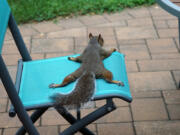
point(34, 117)
point(70, 118)
point(80, 124)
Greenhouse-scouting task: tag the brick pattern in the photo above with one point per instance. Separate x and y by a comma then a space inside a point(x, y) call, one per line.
point(158, 128)
point(3, 104)
point(172, 97)
point(121, 114)
point(144, 81)
point(161, 46)
point(115, 129)
point(148, 36)
point(149, 109)
point(174, 111)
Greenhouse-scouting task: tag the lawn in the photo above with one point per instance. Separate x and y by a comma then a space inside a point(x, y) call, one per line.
point(38, 10)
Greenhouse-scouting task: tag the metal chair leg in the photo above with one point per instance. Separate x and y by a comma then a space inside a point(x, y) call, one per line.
point(78, 114)
point(70, 118)
point(34, 117)
point(109, 107)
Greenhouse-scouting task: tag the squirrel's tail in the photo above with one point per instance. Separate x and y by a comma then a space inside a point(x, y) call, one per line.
point(81, 94)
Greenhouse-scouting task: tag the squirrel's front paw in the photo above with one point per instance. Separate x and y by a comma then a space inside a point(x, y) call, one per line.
point(121, 83)
point(52, 85)
point(113, 49)
point(72, 58)
point(69, 58)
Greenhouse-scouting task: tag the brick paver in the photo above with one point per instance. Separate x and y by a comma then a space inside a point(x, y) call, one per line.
point(27, 30)
point(146, 94)
point(165, 33)
point(52, 118)
point(158, 65)
point(74, 32)
point(137, 32)
point(176, 76)
point(158, 128)
point(135, 52)
point(48, 130)
point(115, 129)
point(174, 111)
point(10, 131)
point(11, 59)
point(42, 27)
point(151, 81)
point(51, 45)
point(131, 42)
point(139, 12)
point(3, 104)
point(92, 19)
point(70, 23)
point(166, 56)
point(149, 109)
point(162, 45)
point(122, 114)
point(160, 24)
point(118, 17)
point(121, 23)
point(172, 23)
point(140, 22)
point(148, 36)
point(131, 66)
point(172, 97)
point(2, 91)
point(7, 122)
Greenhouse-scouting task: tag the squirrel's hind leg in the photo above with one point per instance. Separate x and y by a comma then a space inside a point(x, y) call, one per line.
point(107, 75)
point(68, 79)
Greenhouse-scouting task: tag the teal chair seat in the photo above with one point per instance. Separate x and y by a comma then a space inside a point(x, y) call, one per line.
point(37, 75)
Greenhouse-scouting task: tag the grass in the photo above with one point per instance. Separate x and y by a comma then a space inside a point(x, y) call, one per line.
point(38, 10)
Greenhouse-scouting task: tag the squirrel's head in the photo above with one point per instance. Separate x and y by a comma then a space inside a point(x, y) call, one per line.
point(99, 38)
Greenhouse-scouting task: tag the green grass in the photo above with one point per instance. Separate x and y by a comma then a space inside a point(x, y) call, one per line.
point(38, 10)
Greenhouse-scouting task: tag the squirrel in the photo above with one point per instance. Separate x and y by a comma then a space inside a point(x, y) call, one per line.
point(91, 68)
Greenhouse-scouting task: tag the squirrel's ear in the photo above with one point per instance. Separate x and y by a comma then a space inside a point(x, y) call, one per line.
point(90, 35)
point(99, 37)
point(100, 40)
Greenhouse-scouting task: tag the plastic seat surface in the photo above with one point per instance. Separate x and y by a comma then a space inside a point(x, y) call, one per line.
point(37, 75)
point(4, 17)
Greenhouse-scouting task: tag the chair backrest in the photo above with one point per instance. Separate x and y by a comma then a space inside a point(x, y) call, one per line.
point(7, 19)
point(4, 18)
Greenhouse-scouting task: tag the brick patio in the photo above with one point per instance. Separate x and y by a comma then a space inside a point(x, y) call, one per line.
point(148, 36)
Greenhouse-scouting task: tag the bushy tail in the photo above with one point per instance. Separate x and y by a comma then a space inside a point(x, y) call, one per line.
point(81, 94)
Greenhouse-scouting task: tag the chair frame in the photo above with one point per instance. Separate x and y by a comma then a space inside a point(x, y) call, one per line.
point(174, 10)
point(77, 124)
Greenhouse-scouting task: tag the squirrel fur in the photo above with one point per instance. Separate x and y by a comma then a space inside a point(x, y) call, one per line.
point(91, 68)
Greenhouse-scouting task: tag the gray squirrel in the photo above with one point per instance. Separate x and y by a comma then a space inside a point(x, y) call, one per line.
point(91, 68)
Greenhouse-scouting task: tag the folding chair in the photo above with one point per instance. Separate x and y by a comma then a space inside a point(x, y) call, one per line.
point(31, 92)
point(173, 7)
